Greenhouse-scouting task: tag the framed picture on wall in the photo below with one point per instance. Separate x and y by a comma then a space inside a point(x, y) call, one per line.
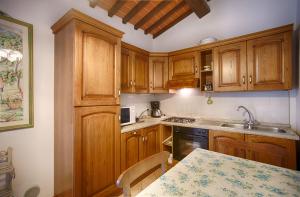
point(16, 74)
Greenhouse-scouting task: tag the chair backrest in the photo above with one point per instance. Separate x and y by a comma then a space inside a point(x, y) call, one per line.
point(140, 168)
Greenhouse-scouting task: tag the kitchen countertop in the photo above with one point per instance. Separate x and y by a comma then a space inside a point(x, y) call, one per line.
point(212, 125)
point(207, 173)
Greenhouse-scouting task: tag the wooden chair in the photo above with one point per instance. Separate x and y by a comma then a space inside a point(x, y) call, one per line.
point(140, 168)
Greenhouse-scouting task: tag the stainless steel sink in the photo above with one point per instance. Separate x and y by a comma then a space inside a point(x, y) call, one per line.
point(233, 125)
point(255, 128)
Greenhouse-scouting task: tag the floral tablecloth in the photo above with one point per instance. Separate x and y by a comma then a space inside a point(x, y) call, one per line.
point(206, 173)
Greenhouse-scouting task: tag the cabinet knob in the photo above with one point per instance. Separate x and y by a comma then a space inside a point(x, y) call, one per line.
point(143, 138)
point(244, 79)
point(250, 79)
point(131, 83)
point(134, 133)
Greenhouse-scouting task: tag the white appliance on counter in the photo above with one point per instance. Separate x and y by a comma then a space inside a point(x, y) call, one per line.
point(127, 115)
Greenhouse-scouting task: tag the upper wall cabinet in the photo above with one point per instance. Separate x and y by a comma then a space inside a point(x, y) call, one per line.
point(230, 69)
point(158, 74)
point(184, 66)
point(97, 66)
point(184, 70)
point(263, 63)
point(134, 69)
point(126, 70)
point(269, 62)
point(141, 70)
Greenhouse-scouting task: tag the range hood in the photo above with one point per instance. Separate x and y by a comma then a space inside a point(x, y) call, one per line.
point(183, 83)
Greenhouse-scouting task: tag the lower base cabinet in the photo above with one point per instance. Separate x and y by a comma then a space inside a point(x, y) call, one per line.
point(139, 144)
point(275, 151)
point(270, 150)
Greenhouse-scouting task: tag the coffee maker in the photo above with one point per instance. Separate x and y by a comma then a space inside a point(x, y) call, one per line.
point(155, 111)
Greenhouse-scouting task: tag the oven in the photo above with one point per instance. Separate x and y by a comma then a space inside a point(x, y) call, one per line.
point(186, 139)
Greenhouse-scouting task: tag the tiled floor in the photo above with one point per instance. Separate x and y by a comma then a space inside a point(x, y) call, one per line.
point(145, 182)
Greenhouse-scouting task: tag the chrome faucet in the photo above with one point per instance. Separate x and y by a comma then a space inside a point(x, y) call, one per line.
point(251, 121)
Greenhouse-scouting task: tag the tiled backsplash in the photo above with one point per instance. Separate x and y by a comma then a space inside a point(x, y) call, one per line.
point(271, 107)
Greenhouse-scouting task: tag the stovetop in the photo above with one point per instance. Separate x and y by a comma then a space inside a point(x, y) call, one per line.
point(180, 120)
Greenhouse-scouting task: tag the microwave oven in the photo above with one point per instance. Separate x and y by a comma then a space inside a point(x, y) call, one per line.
point(127, 115)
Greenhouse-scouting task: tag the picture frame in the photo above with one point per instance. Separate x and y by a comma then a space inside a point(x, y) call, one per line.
point(16, 74)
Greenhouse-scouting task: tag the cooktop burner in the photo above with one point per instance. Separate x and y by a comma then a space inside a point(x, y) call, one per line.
point(180, 120)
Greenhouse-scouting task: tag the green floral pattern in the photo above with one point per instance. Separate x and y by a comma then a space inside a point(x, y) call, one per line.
point(205, 173)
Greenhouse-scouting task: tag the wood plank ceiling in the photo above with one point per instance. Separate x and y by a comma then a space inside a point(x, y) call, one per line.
point(153, 16)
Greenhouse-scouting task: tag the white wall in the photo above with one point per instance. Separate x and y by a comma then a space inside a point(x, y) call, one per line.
point(33, 148)
point(269, 107)
point(140, 101)
point(228, 18)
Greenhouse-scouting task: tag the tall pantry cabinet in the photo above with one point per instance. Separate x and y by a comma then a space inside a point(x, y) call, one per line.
point(87, 128)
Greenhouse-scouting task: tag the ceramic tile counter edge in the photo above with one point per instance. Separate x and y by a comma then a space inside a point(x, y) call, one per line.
point(211, 125)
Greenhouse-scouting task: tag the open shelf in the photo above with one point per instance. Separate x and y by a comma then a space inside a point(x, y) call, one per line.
point(206, 75)
point(167, 138)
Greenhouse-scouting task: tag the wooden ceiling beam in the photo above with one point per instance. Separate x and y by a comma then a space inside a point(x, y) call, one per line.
point(165, 17)
point(153, 12)
point(172, 23)
point(135, 10)
point(200, 7)
point(114, 9)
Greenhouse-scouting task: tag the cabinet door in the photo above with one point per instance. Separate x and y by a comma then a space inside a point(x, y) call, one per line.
point(269, 62)
point(270, 150)
point(126, 71)
point(151, 141)
point(141, 73)
point(184, 66)
point(158, 74)
point(230, 69)
point(97, 67)
point(227, 143)
point(97, 150)
point(131, 143)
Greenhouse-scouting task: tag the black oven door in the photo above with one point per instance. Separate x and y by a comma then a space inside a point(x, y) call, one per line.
point(184, 142)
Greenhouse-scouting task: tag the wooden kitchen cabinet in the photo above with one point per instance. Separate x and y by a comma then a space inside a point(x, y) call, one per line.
point(158, 74)
point(139, 144)
point(184, 66)
point(97, 149)
point(275, 151)
point(86, 106)
point(141, 73)
point(227, 143)
point(131, 146)
point(230, 70)
point(151, 141)
point(269, 62)
point(134, 69)
point(263, 63)
point(126, 71)
point(96, 66)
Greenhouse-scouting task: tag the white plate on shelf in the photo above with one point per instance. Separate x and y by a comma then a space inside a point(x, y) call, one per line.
point(207, 40)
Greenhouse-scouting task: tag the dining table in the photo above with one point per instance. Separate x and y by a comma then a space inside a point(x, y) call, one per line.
point(206, 173)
